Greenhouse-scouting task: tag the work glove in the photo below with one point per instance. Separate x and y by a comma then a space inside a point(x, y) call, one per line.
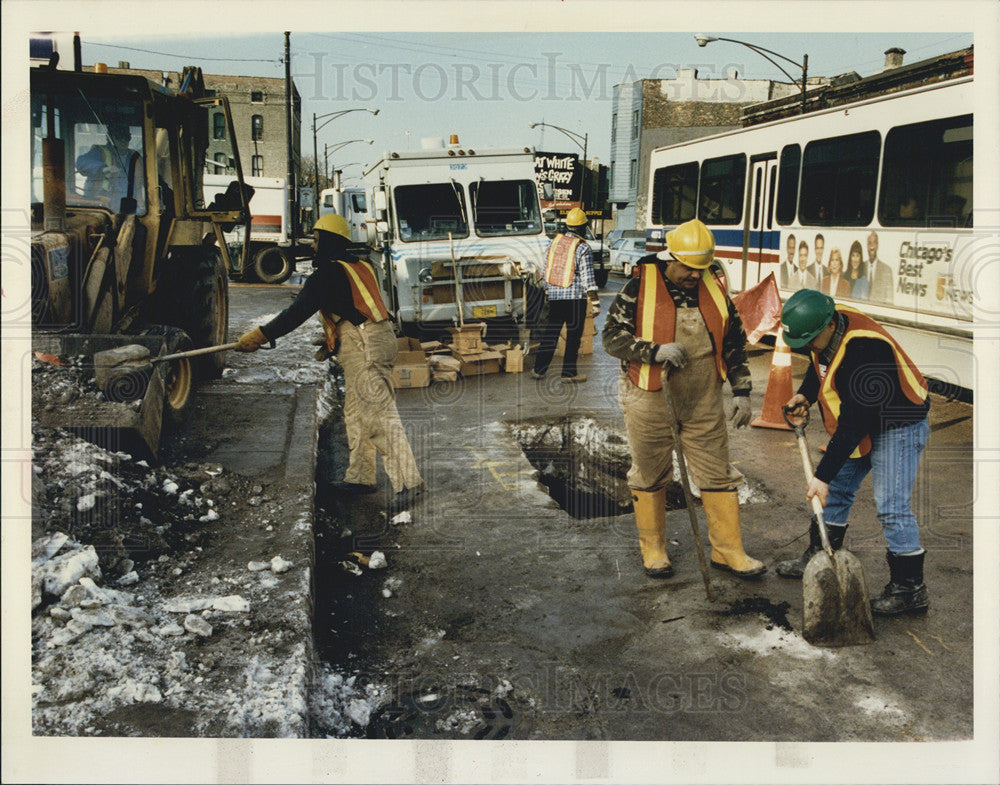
point(673, 353)
point(595, 306)
point(251, 341)
point(740, 415)
point(323, 352)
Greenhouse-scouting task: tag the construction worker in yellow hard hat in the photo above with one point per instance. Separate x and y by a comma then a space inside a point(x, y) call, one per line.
point(570, 286)
point(675, 314)
point(357, 330)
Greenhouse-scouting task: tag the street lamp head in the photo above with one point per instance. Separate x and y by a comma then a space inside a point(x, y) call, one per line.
point(373, 111)
point(533, 125)
point(703, 39)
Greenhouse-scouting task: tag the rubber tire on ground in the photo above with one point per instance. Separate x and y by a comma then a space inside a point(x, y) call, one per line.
point(178, 374)
point(601, 277)
point(200, 305)
point(273, 265)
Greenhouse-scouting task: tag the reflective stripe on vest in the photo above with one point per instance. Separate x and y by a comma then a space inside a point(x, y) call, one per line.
point(656, 317)
point(859, 325)
point(560, 264)
point(366, 295)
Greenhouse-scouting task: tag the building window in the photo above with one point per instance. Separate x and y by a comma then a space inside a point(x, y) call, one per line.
point(257, 165)
point(256, 97)
point(633, 173)
point(257, 127)
point(611, 175)
point(839, 175)
point(614, 127)
point(218, 126)
point(635, 123)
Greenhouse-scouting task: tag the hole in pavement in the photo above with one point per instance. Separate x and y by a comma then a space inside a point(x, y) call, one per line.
point(583, 465)
point(446, 713)
point(773, 613)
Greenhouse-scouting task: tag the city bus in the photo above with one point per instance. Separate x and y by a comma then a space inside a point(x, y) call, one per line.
point(870, 202)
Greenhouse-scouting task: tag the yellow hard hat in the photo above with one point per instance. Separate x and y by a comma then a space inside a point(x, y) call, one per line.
point(576, 217)
point(335, 224)
point(691, 243)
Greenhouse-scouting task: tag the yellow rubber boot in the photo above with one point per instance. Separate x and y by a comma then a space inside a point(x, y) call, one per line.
point(722, 510)
point(651, 521)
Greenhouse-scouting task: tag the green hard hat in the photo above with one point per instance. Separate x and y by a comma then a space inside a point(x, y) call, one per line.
point(805, 315)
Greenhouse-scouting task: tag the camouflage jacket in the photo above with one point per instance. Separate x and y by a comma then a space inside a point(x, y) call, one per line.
point(619, 339)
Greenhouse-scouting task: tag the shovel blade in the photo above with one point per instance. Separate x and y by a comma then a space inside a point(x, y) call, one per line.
point(836, 608)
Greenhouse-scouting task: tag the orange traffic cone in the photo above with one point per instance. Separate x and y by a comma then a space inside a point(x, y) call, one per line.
point(779, 388)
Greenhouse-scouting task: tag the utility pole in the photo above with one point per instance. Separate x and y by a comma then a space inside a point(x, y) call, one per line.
point(293, 217)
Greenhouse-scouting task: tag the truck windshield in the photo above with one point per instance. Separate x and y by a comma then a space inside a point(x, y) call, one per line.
point(104, 150)
point(505, 207)
point(430, 212)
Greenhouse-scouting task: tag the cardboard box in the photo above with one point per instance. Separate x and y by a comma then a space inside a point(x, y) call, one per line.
point(411, 368)
point(479, 364)
point(513, 360)
point(467, 339)
point(444, 376)
point(442, 363)
point(434, 347)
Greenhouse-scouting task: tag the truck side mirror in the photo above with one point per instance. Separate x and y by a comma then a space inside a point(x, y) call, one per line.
point(548, 192)
point(381, 203)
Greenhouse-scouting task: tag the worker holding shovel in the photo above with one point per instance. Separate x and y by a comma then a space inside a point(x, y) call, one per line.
point(357, 329)
point(874, 404)
point(676, 313)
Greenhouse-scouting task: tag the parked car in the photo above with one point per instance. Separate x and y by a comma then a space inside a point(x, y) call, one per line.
point(617, 234)
point(625, 252)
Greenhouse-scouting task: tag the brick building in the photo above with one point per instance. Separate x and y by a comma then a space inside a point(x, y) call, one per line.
point(258, 108)
point(652, 113)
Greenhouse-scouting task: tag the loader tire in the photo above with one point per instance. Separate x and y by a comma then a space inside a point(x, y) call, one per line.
point(202, 299)
point(273, 265)
point(178, 375)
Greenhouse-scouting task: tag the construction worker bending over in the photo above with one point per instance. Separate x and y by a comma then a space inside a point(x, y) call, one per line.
point(570, 285)
point(675, 311)
point(874, 404)
point(358, 331)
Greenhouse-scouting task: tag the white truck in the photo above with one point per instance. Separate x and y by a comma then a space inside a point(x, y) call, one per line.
point(352, 205)
point(272, 258)
point(457, 234)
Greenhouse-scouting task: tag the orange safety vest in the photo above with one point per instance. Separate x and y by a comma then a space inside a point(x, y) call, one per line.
point(560, 264)
point(366, 295)
point(656, 318)
point(860, 326)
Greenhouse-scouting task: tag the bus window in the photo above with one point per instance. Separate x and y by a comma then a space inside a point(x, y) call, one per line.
point(674, 192)
point(927, 174)
point(788, 183)
point(838, 180)
point(720, 197)
point(770, 197)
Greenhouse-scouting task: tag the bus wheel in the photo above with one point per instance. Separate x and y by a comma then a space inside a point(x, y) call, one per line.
point(273, 265)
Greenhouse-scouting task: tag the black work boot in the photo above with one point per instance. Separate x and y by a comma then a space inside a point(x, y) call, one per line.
point(905, 592)
point(794, 568)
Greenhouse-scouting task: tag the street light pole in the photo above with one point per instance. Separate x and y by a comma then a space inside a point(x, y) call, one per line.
point(330, 116)
point(704, 40)
point(575, 138)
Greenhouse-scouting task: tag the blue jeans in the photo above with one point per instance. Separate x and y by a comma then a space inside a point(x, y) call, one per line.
point(893, 460)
